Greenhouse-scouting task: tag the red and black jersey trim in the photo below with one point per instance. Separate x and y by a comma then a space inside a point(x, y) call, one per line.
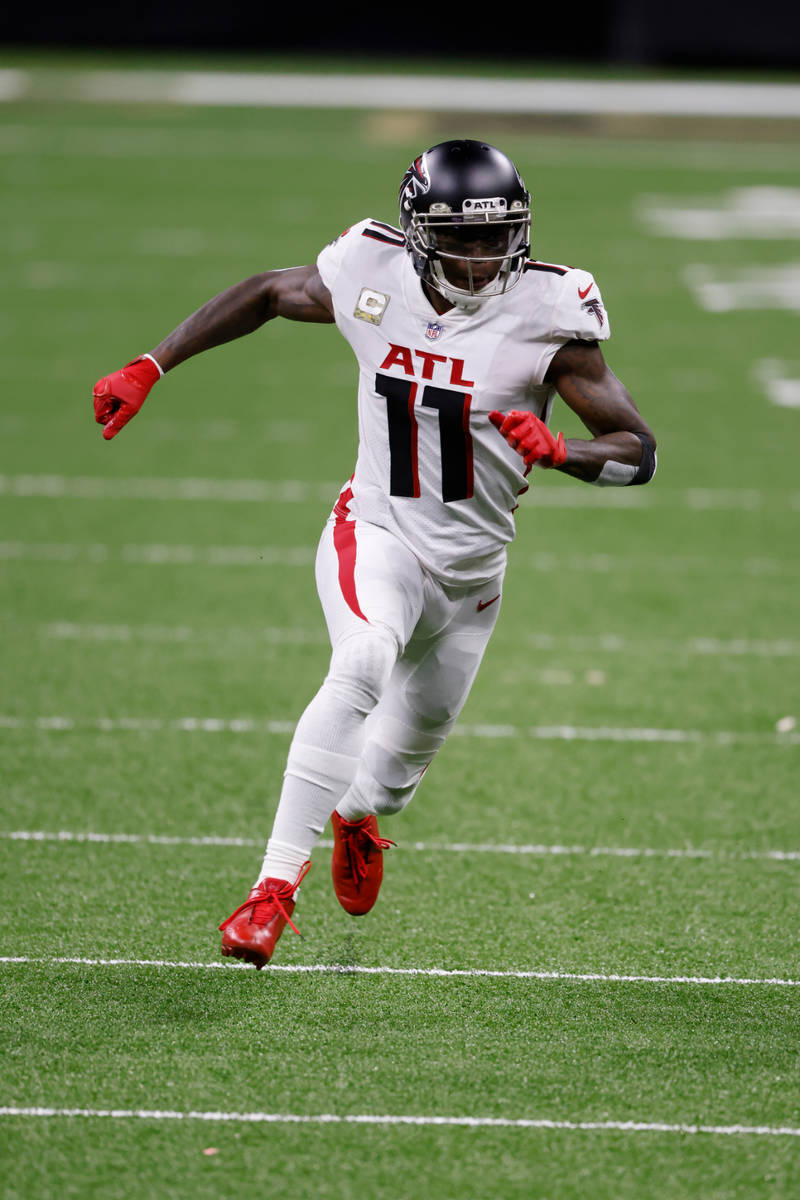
point(384, 233)
point(532, 265)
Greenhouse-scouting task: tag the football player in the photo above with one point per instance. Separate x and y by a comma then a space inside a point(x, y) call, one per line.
point(462, 341)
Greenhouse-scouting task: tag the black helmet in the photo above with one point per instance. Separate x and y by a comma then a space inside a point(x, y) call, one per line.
point(448, 198)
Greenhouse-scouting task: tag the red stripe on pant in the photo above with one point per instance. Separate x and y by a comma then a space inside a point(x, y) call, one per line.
point(344, 541)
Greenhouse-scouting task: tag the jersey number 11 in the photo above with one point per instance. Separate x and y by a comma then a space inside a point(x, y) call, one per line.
point(455, 438)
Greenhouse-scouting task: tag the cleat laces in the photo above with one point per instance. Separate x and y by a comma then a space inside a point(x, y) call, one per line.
point(266, 900)
point(351, 832)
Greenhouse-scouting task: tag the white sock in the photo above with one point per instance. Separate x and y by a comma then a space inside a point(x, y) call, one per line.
point(350, 808)
point(282, 861)
point(314, 782)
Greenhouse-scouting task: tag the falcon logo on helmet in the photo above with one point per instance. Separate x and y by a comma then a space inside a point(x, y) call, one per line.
point(466, 215)
point(415, 181)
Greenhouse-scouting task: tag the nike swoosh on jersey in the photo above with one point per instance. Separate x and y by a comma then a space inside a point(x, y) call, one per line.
point(482, 604)
point(584, 292)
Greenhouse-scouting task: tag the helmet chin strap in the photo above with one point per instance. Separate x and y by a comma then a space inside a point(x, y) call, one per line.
point(466, 303)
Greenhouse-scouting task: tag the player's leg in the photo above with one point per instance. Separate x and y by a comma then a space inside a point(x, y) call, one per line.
point(370, 587)
point(425, 695)
point(427, 690)
point(371, 598)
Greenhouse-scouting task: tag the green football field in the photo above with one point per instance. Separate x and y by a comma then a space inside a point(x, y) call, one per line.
point(581, 978)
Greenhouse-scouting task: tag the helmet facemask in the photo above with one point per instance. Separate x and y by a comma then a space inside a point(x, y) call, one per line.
point(473, 255)
point(466, 215)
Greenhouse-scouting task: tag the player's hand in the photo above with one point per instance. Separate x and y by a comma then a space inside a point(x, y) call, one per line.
point(119, 396)
point(531, 438)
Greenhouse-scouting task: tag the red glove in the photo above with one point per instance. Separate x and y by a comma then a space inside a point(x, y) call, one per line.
point(119, 396)
point(531, 438)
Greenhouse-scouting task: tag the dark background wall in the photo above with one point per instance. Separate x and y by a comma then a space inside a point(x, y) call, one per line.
point(623, 32)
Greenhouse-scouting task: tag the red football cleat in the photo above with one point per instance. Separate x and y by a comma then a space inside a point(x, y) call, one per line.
point(253, 929)
point(357, 864)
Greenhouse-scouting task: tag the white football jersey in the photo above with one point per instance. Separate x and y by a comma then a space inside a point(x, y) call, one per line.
point(431, 467)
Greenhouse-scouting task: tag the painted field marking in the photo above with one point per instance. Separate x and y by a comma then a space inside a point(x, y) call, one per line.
point(222, 429)
point(13, 84)
point(100, 487)
point(615, 643)
point(750, 287)
point(607, 643)
point(462, 93)
point(100, 632)
point(780, 382)
point(457, 93)
point(295, 491)
point(157, 554)
point(606, 154)
point(545, 733)
point(408, 972)
point(743, 212)
point(143, 1114)
point(532, 849)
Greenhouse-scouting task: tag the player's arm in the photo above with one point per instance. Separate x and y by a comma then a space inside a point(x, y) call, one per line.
point(297, 293)
point(622, 449)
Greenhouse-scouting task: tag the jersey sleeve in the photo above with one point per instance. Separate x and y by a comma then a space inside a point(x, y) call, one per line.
point(579, 311)
point(332, 256)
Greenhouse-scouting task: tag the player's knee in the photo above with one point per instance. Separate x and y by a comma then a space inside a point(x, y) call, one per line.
point(389, 800)
point(436, 708)
point(376, 796)
point(361, 666)
point(387, 779)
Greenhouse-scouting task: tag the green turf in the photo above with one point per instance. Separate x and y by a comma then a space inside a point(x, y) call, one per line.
point(116, 222)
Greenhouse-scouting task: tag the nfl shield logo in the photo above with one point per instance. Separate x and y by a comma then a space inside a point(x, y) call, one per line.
point(434, 331)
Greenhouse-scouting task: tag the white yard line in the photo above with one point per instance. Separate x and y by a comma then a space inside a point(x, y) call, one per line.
point(780, 381)
point(761, 211)
point(150, 839)
point(410, 972)
point(610, 643)
point(470, 94)
point(160, 554)
point(399, 91)
point(294, 491)
point(100, 487)
point(615, 643)
point(222, 429)
point(13, 84)
point(545, 733)
point(61, 724)
point(732, 289)
point(280, 635)
point(536, 850)
point(601, 154)
point(142, 1114)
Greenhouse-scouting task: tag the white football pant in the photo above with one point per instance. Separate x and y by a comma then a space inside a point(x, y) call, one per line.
point(405, 652)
